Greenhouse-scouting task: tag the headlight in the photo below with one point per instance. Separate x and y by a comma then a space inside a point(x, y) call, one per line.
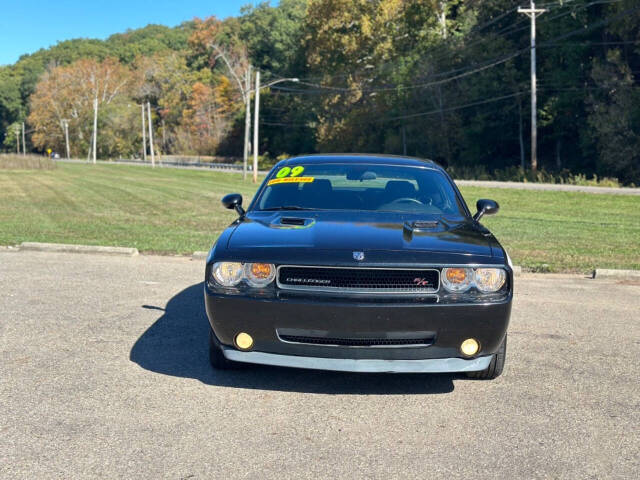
point(457, 280)
point(490, 279)
point(227, 274)
point(259, 274)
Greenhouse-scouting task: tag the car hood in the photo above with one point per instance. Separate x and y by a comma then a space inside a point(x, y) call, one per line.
point(362, 231)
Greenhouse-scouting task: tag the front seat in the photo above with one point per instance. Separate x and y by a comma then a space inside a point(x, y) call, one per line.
point(396, 189)
point(317, 193)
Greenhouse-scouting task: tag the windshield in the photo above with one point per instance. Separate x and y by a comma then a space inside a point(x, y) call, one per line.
point(359, 187)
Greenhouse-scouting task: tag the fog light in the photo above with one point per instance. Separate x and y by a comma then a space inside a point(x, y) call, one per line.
point(469, 347)
point(244, 341)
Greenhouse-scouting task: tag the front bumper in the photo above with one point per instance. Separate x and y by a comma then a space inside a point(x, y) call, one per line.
point(448, 324)
point(436, 365)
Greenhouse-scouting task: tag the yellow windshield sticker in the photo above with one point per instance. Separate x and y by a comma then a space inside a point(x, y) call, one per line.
point(276, 181)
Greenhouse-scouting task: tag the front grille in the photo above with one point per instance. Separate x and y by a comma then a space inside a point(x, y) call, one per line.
point(366, 280)
point(358, 342)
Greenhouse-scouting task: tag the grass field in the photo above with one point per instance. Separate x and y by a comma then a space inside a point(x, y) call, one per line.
point(178, 211)
point(14, 161)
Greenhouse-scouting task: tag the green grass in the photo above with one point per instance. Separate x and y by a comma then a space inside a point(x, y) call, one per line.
point(178, 211)
point(564, 231)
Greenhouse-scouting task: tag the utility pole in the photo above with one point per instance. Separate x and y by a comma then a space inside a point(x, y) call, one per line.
point(257, 117)
point(95, 127)
point(65, 124)
point(153, 158)
point(16, 130)
point(247, 120)
point(24, 149)
point(532, 12)
point(255, 128)
point(144, 136)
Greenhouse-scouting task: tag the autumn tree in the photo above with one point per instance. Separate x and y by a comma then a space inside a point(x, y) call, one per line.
point(207, 118)
point(69, 93)
point(165, 81)
point(225, 76)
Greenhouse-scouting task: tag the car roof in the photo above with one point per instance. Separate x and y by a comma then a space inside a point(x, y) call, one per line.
point(363, 158)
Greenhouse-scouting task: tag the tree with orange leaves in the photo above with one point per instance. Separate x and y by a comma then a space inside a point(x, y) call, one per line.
point(207, 120)
point(69, 93)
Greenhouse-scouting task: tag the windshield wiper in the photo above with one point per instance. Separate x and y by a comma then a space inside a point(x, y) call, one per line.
point(286, 207)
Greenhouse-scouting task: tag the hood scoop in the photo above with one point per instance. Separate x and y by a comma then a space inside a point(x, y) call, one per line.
point(292, 222)
point(417, 226)
point(422, 225)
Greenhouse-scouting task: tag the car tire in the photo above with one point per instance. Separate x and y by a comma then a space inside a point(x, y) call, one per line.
point(216, 357)
point(495, 367)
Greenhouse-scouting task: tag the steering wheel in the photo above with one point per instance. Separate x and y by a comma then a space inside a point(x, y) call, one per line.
point(406, 200)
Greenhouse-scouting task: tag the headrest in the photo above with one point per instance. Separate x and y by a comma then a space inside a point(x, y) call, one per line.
point(320, 186)
point(400, 189)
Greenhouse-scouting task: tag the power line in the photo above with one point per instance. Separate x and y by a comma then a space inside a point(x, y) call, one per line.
point(458, 107)
point(471, 70)
point(587, 44)
point(468, 68)
point(420, 114)
point(393, 63)
point(509, 29)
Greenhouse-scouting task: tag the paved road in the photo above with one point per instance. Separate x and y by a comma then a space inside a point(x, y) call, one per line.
point(549, 186)
point(104, 374)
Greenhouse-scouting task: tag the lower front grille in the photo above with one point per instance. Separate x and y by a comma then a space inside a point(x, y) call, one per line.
point(358, 342)
point(358, 279)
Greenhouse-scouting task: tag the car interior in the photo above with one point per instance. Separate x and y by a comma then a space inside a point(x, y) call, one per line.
point(395, 195)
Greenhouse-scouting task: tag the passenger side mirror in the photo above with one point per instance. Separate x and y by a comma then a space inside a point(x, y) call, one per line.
point(485, 207)
point(234, 201)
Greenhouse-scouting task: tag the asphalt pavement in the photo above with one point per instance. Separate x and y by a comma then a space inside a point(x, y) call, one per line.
point(104, 374)
point(559, 187)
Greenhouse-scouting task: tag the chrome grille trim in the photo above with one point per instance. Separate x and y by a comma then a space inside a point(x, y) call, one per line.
point(379, 291)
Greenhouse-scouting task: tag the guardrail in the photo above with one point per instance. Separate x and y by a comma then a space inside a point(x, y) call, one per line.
point(231, 167)
point(178, 163)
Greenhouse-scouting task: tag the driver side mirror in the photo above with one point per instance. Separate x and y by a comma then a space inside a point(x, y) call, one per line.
point(234, 201)
point(485, 207)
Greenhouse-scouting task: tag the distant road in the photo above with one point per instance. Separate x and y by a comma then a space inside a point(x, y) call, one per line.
point(229, 167)
point(548, 186)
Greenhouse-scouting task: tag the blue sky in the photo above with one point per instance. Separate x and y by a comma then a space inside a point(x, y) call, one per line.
point(28, 25)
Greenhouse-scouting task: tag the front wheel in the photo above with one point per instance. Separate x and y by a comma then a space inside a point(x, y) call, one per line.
point(495, 367)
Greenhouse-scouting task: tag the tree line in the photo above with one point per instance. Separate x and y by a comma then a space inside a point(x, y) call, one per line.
point(444, 79)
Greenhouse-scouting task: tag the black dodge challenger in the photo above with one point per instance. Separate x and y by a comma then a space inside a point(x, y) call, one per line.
point(359, 263)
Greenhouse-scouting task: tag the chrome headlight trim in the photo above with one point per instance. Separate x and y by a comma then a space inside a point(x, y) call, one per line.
point(454, 287)
point(227, 274)
point(485, 282)
point(257, 282)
